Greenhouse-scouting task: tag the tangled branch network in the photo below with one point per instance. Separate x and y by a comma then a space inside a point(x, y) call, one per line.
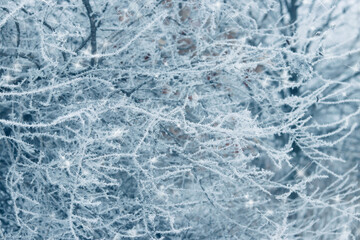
point(179, 119)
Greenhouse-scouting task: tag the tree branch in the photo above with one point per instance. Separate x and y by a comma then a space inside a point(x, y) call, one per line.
point(93, 29)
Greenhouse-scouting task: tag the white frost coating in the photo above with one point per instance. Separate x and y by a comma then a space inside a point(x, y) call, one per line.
point(174, 119)
point(67, 163)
